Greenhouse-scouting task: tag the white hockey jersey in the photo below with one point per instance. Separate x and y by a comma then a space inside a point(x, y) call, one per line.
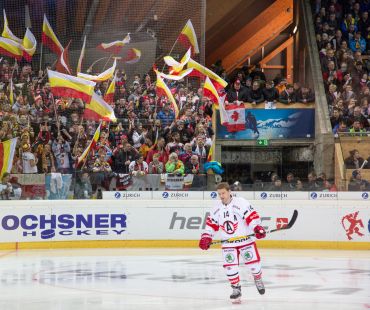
point(236, 219)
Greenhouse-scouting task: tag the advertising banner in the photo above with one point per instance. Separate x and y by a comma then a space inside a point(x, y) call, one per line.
point(183, 220)
point(273, 124)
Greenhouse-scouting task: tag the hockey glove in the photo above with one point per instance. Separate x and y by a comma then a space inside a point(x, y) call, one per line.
point(205, 241)
point(259, 232)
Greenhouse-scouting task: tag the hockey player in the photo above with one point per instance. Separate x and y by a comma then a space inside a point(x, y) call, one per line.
point(236, 218)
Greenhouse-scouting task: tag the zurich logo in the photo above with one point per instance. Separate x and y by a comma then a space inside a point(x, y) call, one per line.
point(213, 195)
point(365, 196)
point(313, 195)
point(263, 195)
point(165, 194)
point(117, 195)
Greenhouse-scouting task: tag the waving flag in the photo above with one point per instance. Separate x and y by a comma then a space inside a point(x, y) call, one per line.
point(62, 65)
point(11, 48)
point(98, 110)
point(29, 45)
point(163, 90)
point(106, 75)
point(91, 145)
point(70, 86)
point(7, 33)
point(82, 55)
point(7, 151)
point(210, 91)
point(11, 92)
point(188, 38)
point(177, 77)
point(133, 56)
point(50, 39)
point(232, 116)
point(116, 46)
point(175, 66)
point(201, 71)
point(109, 94)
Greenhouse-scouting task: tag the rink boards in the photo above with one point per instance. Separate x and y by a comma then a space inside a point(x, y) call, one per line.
point(134, 219)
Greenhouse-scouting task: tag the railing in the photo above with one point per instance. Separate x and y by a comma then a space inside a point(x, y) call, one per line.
point(92, 185)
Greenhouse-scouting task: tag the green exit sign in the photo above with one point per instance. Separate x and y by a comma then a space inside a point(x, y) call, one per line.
point(262, 142)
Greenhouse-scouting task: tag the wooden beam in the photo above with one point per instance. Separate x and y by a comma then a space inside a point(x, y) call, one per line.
point(264, 26)
point(61, 17)
point(276, 51)
point(272, 67)
point(80, 16)
point(102, 13)
point(289, 63)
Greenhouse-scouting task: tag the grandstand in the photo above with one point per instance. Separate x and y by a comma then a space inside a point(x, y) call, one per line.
point(119, 119)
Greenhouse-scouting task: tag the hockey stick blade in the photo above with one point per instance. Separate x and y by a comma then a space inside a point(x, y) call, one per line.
point(288, 226)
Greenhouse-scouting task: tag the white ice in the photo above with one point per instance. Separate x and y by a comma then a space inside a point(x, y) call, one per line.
point(180, 279)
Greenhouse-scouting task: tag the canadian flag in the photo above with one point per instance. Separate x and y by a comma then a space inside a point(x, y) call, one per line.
point(232, 116)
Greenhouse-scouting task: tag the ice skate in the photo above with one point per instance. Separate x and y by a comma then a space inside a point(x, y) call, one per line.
point(259, 285)
point(236, 295)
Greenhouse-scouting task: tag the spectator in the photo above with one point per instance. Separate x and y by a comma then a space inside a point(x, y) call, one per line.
point(255, 96)
point(354, 161)
point(83, 188)
point(166, 116)
point(29, 161)
point(306, 95)
point(237, 94)
point(138, 167)
point(155, 166)
point(312, 184)
point(357, 183)
point(62, 150)
point(192, 165)
point(290, 182)
point(356, 129)
point(329, 186)
point(357, 43)
point(160, 149)
point(270, 93)
point(174, 165)
point(288, 96)
point(277, 186)
point(6, 188)
point(122, 157)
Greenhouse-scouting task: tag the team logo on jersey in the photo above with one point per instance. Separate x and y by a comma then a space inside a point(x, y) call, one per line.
point(313, 195)
point(248, 255)
point(229, 227)
point(229, 258)
point(165, 195)
point(365, 195)
point(117, 195)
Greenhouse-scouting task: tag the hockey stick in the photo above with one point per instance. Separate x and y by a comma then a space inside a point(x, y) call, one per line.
point(288, 226)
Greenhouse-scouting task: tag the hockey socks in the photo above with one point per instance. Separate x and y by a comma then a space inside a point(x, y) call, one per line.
point(259, 283)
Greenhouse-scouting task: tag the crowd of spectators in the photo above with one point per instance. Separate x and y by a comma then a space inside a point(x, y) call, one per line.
point(251, 86)
point(343, 39)
point(146, 139)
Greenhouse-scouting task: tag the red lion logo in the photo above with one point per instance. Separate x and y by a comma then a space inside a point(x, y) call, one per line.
point(352, 225)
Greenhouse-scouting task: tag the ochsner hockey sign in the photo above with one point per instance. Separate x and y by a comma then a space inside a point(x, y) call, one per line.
point(63, 225)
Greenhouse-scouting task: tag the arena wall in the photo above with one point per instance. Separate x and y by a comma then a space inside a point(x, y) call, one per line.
point(176, 219)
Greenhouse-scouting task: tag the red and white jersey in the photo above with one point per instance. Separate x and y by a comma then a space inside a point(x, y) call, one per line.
point(236, 219)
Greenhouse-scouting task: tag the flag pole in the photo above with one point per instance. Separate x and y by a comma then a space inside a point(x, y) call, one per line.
point(173, 46)
point(41, 56)
point(110, 56)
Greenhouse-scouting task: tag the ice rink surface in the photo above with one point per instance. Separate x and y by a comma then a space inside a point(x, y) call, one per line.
point(180, 279)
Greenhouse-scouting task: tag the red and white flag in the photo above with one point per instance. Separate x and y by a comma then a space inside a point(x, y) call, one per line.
point(232, 116)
